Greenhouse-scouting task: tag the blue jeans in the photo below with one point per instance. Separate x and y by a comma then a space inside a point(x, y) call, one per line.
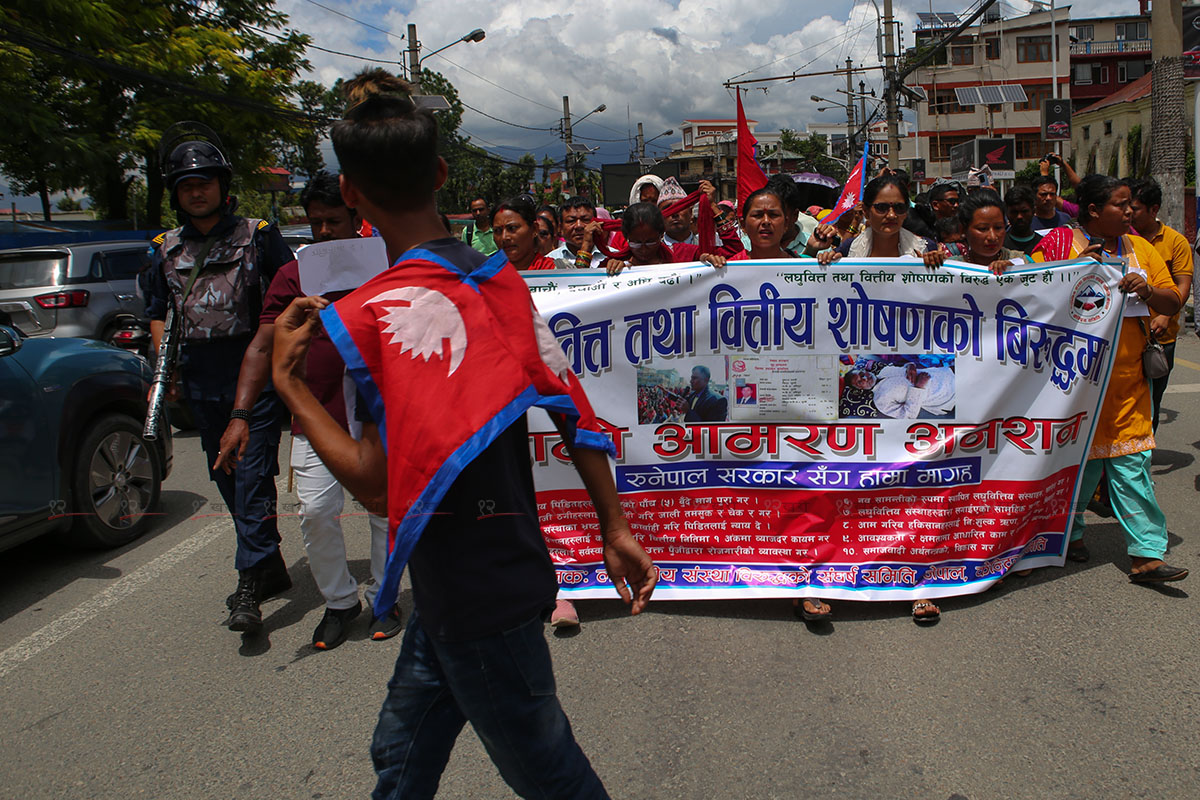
point(249, 491)
point(504, 685)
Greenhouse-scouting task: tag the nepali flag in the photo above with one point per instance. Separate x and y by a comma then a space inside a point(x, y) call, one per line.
point(750, 176)
point(852, 194)
point(446, 360)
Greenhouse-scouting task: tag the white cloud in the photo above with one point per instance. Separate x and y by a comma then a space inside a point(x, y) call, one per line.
point(665, 60)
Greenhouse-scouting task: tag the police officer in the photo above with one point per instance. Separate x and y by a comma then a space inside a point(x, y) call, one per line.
point(215, 269)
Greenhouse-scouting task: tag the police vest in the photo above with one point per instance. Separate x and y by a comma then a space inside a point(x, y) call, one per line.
point(227, 296)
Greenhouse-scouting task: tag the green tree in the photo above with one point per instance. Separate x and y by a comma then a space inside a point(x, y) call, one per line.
point(128, 69)
point(813, 154)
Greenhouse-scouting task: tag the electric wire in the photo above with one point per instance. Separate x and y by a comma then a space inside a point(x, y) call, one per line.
point(384, 31)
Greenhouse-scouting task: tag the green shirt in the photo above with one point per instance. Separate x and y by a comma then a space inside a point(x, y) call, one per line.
point(483, 241)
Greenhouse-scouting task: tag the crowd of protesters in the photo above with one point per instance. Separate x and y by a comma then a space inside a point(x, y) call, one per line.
point(948, 221)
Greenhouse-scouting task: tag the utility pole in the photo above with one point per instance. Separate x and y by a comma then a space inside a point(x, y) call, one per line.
point(568, 177)
point(641, 143)
point(850, 149)
point(862, 106)
point(892, 84)
point(1166, 108)
point(414, 60)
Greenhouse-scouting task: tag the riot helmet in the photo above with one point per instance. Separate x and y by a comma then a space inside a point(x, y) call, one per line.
point(192, 149)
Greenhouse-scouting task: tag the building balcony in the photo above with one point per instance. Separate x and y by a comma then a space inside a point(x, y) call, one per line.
point(1110, 48)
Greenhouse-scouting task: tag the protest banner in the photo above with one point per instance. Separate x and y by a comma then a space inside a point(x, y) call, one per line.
point(872, 430)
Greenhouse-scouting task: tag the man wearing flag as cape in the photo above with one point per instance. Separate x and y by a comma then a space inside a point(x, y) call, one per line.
point(448, 354)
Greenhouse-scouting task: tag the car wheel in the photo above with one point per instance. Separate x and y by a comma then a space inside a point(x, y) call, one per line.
point(116, 481)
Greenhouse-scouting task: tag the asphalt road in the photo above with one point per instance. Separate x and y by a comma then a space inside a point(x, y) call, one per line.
point(118, 679)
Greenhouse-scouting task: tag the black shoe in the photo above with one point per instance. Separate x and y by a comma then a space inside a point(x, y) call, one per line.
point(388, 625)
point(275, 578)
point(245, 615)
point(332, 630)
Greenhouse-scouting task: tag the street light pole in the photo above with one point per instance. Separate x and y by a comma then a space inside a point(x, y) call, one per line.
point(568, 181)
point(891, 87)
point(414, 53)
point(849, 110)
point(414, 60)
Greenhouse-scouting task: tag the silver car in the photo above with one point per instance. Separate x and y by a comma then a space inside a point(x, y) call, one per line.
point(83, 290)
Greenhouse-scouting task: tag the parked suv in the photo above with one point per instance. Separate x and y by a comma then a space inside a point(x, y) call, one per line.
point(84, 290)
point(72, 456)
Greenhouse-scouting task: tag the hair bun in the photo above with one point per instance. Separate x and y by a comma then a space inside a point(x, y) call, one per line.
point(377, 92)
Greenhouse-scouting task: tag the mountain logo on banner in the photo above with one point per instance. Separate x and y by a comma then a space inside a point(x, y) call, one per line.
point(1090, 299)
point(425, 322)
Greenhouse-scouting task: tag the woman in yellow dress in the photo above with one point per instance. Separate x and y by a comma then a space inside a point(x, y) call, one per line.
point(1123, 440)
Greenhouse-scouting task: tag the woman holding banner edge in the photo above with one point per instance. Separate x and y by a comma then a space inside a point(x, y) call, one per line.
point(765, 223)
point(1124, 440)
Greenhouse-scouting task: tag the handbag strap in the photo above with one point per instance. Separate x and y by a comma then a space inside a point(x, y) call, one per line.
point(1150, 337)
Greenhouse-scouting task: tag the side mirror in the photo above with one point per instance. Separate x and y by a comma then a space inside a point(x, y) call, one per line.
point(10, 341)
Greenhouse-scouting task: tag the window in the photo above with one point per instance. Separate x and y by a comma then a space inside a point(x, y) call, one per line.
point(946, 102)
point(687, 137)
point(1033, 48)
point(1082, 74)
point(962, 56)
point(993, 49)
point(940, 148)
point(1083, 33)
point(1034, 97)
point(126, 264)
point(1108, 127)
point(707, 165)
point(1087, 132)
point(1030, 145)
point(1132, 30)
point(1131, 70)
point(1104, 74)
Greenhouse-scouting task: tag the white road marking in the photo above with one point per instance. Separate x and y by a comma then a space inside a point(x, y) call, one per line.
point(1182, 388)
point(54, 632)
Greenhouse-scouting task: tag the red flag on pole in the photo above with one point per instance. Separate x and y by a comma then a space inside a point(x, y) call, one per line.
point(852, 194)
point(750, 176)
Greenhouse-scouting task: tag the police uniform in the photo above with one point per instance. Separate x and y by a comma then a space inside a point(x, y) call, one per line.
point(219, 319)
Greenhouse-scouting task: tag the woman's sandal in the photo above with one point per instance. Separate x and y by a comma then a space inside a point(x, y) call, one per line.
point(824, 612)
point(925, 618)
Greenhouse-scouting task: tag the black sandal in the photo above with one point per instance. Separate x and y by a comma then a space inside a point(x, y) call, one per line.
point(1078, 552)
point(1160, 574)
point(813, 616)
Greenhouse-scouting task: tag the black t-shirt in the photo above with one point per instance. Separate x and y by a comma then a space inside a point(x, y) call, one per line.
point(481, 565)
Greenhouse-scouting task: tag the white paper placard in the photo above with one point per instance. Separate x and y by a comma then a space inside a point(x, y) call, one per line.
point(341, 265)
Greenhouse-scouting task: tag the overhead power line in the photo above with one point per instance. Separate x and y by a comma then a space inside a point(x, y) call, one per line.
point(310, 45)
point(384, 31)
point(506, 122)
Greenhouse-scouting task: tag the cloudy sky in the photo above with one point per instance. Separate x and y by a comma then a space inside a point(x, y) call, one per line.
point(651, 61)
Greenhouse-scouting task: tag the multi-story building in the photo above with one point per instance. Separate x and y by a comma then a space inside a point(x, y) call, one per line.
point(835, 138)
point(1107, 54)
point(708, 151)
point(997, 52)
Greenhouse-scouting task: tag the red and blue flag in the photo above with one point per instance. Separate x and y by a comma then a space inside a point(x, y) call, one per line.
point(446, 360)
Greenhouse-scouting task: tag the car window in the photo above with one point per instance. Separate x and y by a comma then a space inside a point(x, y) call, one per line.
point(96, 269)
point(126, 264)
point(24, 271)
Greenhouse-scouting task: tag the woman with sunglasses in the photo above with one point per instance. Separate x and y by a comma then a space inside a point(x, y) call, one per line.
point(885, 202)
point(1124, 438)
point(644, 227)
point(515, 224)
